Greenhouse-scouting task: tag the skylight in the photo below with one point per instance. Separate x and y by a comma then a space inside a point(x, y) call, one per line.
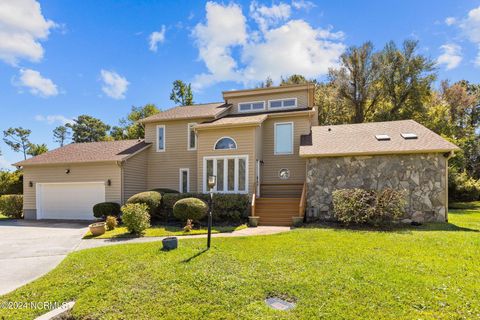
point(382, 137)
point(409, 135)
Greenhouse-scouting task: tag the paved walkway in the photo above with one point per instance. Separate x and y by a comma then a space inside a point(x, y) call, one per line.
point(258, 231)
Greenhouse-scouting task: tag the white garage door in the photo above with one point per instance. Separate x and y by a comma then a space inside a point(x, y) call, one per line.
point(68, 200)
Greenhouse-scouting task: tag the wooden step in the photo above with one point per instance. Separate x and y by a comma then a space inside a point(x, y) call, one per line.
point(276, 211)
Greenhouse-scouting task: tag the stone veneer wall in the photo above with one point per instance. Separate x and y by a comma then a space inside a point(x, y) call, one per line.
point(423, 176)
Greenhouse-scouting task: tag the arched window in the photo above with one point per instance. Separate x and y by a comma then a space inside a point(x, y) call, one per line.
point(225, 143)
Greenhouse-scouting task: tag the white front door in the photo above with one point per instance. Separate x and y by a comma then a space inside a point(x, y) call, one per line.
point(73, 201)
point(231, 173)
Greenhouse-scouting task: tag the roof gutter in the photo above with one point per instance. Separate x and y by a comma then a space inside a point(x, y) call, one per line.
point(379, 153)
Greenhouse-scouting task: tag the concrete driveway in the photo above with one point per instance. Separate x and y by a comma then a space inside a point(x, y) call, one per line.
point(29, 249)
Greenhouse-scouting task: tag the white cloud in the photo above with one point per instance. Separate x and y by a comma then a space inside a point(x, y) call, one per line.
point(22, 26)
point(53, 118)
point(114, 85)
point(303, 4)
point(225, 28)
point(471, 25)
point(5, 164)
point(267, 17)
point(293, 47)
point(450, 21)
point(37, 84)
point(451, 56)
point(477, 59)
point(156, 38)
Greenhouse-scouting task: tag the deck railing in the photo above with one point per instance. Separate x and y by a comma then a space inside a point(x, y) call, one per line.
point(303, 201)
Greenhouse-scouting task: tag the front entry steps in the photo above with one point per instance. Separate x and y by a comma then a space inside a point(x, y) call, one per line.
point(276, 211)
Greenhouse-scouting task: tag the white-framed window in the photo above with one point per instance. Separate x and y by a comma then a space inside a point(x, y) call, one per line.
point(161, 138)
point(282, 103)
point(192, 137)
point(184, 180)
point(251, 106)
point(225, 143)
point(231, 173)
point(283, 138)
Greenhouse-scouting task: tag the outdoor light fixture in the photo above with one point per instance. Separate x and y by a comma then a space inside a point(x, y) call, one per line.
point(212, 181)
point(109, 182)
point(30, 184)
point(67, 171)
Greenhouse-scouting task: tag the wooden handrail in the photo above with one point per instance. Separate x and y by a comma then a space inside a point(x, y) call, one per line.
point(303, 198)
point(254, 196)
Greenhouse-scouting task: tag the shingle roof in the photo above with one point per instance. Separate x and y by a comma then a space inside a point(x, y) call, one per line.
point(233, 121)
point(359, 139)
point(88, 152)
point(208, 110)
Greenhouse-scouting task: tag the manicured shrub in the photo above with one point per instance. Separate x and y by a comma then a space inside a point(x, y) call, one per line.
point(462, 187)
point(152, 199)
point(169, 200)
point(11, 205)
point(111, 222)
point(163, 191)
point(190, 208)
point(360, 206)
point(135, 217)
point(104, 209)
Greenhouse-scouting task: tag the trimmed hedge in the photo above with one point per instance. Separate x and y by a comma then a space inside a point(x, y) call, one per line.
point(372, 207)
point(163, 191)
point(226, 207)
point(11, 205)
point(190, 209)
point(152, 199)
point(104, 209)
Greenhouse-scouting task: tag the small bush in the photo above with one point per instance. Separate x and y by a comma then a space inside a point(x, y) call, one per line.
point(169, 200)
point(11, 205)
point(190, 208)
point(152, 199)
point(462, 187)
point(368, 206)
point(104, 209)
point(111, 222)
point(135, 217)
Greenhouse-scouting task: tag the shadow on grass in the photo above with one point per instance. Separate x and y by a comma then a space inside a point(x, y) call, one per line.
point(400, 228)
point(195, 256)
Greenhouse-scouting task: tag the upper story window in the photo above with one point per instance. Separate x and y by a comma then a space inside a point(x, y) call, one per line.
point(192, 137)
point(251, 106)
point(282, 103)
point(160, 138)
point(284, 138)
point(225, 143)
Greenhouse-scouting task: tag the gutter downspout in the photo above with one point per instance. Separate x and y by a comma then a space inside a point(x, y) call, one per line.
point(122, 196)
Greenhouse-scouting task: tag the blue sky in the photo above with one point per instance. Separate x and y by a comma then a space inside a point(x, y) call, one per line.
point(60, 59)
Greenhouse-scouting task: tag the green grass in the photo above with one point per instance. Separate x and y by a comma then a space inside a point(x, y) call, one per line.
point(162, 231)
point(430, 272)
point(3, 217)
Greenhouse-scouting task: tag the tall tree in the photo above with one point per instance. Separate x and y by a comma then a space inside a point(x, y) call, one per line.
point(356, 80)
point(61, 135)
point(129, 127)
point(266, 84)
point(36, 149)
point(88, 129)
point(293, 79)
point(406, 78)
point(181, 93)
point(17, 139)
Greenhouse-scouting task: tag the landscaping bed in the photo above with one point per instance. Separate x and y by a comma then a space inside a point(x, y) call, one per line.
point(426, 272)
point(163, 231)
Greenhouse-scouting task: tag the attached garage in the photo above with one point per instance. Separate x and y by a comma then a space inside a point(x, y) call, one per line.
point(67, 182)
point(72, 201)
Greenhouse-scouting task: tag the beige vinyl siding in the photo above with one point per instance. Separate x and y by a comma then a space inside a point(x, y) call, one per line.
point(273, 163)
point(135, 174)
point(163, 167)
point(301, 95)
point(245, 139)
point(78, 173)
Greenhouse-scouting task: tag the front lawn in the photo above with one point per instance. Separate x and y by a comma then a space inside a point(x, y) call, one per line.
point(3, 217)
point(415, 273)
point(163, 231)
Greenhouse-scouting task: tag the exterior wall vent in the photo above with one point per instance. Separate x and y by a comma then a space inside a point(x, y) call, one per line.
point(382, 137)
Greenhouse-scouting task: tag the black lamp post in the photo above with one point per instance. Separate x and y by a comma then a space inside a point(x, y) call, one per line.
point(212, 181)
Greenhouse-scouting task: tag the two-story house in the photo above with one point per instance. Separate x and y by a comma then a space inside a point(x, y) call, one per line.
point(264, 142)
